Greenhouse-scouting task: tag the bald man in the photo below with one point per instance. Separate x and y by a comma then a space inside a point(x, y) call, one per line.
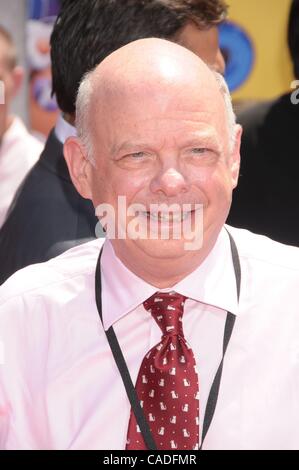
point(61, 217)
point(131, 343)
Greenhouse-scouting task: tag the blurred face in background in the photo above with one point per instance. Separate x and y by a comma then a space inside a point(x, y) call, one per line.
point(10, 81)
point(204, 43)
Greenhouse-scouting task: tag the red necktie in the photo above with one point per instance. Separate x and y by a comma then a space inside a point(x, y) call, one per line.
point(167, 383)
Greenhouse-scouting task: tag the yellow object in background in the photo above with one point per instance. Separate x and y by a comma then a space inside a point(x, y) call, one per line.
point(265, 22)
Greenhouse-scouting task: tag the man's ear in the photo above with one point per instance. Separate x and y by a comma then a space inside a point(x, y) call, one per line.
point(79, 166)
point(235, 156)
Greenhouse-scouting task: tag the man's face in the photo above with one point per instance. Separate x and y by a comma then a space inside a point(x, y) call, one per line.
point(167, 147)
point(203, 43)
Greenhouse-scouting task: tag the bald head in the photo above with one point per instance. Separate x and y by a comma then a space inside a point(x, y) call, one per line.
point(151, 62)
point(143, 70)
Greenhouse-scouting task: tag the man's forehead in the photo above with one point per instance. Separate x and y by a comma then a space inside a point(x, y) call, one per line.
point(157, 103)
point(177, 94)
point(151, 109)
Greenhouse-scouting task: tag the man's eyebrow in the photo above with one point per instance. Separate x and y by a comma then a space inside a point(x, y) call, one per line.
point(206, 138)
point(196, 139)
point(127, 146)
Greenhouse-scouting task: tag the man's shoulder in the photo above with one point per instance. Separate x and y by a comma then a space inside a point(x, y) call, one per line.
point(261, 251)
point(58, 273)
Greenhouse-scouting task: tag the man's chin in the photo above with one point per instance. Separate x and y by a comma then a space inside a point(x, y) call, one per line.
point(164, 249)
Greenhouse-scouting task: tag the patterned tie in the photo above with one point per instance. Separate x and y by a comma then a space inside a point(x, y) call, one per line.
point(167, 383)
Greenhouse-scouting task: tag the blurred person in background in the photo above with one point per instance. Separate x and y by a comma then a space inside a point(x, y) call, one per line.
point(19, 150)
point(49, 215)
point(266, 200)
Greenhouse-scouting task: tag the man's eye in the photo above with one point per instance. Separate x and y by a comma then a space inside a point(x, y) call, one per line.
point(138, 154)
point(199, 150)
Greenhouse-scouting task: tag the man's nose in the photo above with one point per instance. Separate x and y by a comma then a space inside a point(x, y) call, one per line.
point(170, 182)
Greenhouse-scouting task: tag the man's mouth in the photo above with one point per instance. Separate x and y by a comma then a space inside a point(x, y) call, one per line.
point(168, 217)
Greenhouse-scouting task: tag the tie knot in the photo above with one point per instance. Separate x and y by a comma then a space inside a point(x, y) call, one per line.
point(167, 308)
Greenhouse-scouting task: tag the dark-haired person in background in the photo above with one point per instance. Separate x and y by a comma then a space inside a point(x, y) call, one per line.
point(19, 150)
point(49, 211)
point(266, 200)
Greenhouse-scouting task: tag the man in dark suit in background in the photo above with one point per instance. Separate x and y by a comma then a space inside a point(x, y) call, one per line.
point(48, 211)
point(266, 200)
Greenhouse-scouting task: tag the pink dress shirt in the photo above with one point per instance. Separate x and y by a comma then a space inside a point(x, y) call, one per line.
point(60, 387)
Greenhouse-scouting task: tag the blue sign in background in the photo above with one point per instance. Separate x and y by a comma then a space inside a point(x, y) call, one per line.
point(239, 54)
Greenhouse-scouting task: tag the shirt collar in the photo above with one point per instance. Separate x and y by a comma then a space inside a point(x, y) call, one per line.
point(212, 283)
point(63, 129)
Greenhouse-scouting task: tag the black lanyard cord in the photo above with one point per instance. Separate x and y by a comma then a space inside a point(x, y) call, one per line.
point(229, 325)
point(123, 368)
